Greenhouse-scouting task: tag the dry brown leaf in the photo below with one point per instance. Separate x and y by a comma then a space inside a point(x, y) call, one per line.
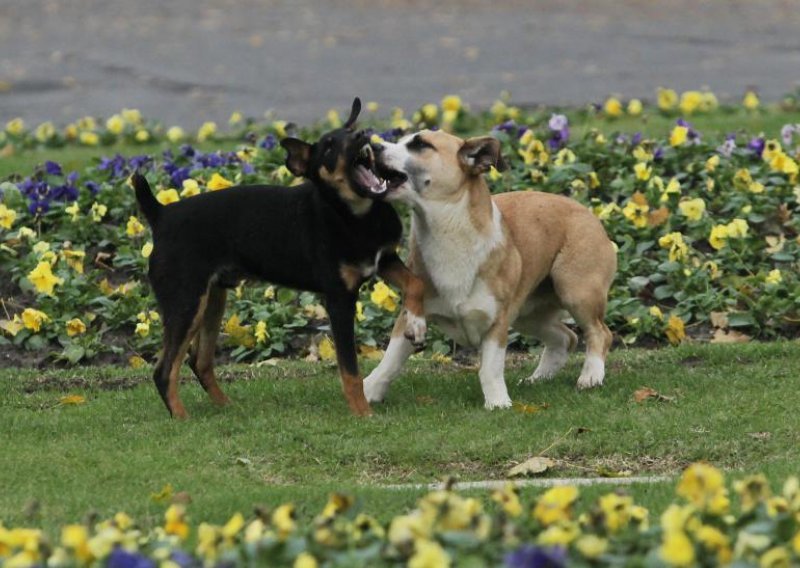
point(731, 336)
point(532, 466)
point(760, 435)
point(422, 399)
point(523, 408)
point(775, 243)
point(645, 393)
point(657, 217)
point(719, 319)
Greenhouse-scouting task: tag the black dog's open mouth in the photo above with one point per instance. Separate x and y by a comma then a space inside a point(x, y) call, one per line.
point(374, 178)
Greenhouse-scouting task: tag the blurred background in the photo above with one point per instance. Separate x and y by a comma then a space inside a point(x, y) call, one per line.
point(187, 61)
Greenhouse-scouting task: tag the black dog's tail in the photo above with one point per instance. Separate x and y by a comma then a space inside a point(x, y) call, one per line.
point(147, 201)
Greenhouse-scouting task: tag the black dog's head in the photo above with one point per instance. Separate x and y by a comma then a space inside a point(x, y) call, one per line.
point(342, 160)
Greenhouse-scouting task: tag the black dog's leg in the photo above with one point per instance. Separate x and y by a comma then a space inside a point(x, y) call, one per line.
point(341, 310)
point(201, 356)
point(182, 318)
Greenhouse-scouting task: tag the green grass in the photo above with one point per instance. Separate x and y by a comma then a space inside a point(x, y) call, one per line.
point(289, 436)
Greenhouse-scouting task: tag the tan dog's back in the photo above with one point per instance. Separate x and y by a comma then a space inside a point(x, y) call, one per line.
point(543, 225)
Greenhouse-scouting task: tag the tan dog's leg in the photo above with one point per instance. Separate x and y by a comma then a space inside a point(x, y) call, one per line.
point(201, 358)
point(588, 307)
point(493, 363)
point(545, 324)
point(397, 353)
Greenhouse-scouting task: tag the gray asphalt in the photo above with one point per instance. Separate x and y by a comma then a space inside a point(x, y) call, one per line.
point(186, 61)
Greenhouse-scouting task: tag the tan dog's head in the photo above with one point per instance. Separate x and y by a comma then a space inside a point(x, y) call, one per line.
point(434, 165)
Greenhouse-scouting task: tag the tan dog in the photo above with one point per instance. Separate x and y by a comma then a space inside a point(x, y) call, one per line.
point(490, 263)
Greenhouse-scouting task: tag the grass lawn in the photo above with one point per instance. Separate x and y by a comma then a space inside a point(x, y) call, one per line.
point(288, 435)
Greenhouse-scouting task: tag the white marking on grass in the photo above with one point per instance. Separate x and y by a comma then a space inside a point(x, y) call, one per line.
point(554, 482)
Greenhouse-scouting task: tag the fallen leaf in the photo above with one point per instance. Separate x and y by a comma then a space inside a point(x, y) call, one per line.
point(425, 400)
point(658, 217)
point(760, 435)
point(532, 466)
point(12, 327)
point(370, 352)
point(182, 498)
point(775, 243)
point(731, 336)
point(719, 319)
point(243, 461)
point(528, 408)
point(646, 393)
point(72, 399)
point(163, 496)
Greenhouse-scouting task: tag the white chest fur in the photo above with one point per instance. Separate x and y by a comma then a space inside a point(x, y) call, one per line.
point(453, 251)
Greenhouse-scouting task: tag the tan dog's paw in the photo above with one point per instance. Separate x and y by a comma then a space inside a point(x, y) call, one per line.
point(416, 328)
point(500, 403)
point(592, 374)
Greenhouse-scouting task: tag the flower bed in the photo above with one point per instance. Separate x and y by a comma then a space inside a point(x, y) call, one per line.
point(702, 528)
point(707, 228)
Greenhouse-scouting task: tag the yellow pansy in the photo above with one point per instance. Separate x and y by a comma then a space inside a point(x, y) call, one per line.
point(261, 332)
point(591, 546)
point(239, 334)
point(73, 211)
point(612, 107)
point(678, 250)
point(280, 128)
point(190, 188)
point(709, 101)
point(305, 560)
point(327, 352)
point(776, 557)
point(677, 549)
point(656, 312)
point(616, 511)
point(635, 107)
point(33, 319)
point(555, 505)
point(43, 279)
point(712, 163)
point(750, 100)
point(134, 227)
point(45, 131)
point(704, 487)
point(334, 119)
point(564, 156)
point(236, 118)
point(175, 522)
point(373, 106)
point(636, 210)
point(451, 103)
point(142, 135)
point(643, 171)
point(206, 131)
point(667, 99)
point(737, 228)
point(693, 209)
point(429, 112)
point(774, 277)
point(678, 135)
point(384, 296)
point(89, 138)
point(167, 196)
point(718, 238)
point(642, 154)
point(98, 211)
point(283, 519)
point(175, 134)
point(508, 499)
point(115, 124)
point(15, 126)
point(218, 182)
point(74, 259)
point(147, 249)
point(429, 554)
point(7, 216)
point(76, 539)
point(676, 330)
point(690, 101)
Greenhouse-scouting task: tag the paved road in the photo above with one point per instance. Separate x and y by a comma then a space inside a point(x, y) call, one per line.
point(186, 61)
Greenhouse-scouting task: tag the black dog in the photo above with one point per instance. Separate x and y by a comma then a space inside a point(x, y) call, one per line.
point(327, 235)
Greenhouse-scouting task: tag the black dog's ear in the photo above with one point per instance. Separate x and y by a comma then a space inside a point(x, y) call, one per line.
point(354, 112)
point(478, 155)
point(298, 154)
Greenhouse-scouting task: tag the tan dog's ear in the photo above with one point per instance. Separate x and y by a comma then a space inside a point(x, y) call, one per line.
point(478, 155)
point(298, 153)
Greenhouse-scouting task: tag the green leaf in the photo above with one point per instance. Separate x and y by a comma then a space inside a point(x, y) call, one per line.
point(73, 353)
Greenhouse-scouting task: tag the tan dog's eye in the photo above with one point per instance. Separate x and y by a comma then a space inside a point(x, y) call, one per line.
point(417, 144)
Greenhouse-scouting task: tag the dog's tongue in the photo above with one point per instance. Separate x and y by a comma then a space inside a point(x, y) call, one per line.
point(368, 179)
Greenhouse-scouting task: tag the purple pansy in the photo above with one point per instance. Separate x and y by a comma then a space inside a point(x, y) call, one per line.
point(787, 133)
point(269, 142)
point(52, 168)
point(726, 148)
point(120, 558)
point(756, 145)
point(529, 556)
